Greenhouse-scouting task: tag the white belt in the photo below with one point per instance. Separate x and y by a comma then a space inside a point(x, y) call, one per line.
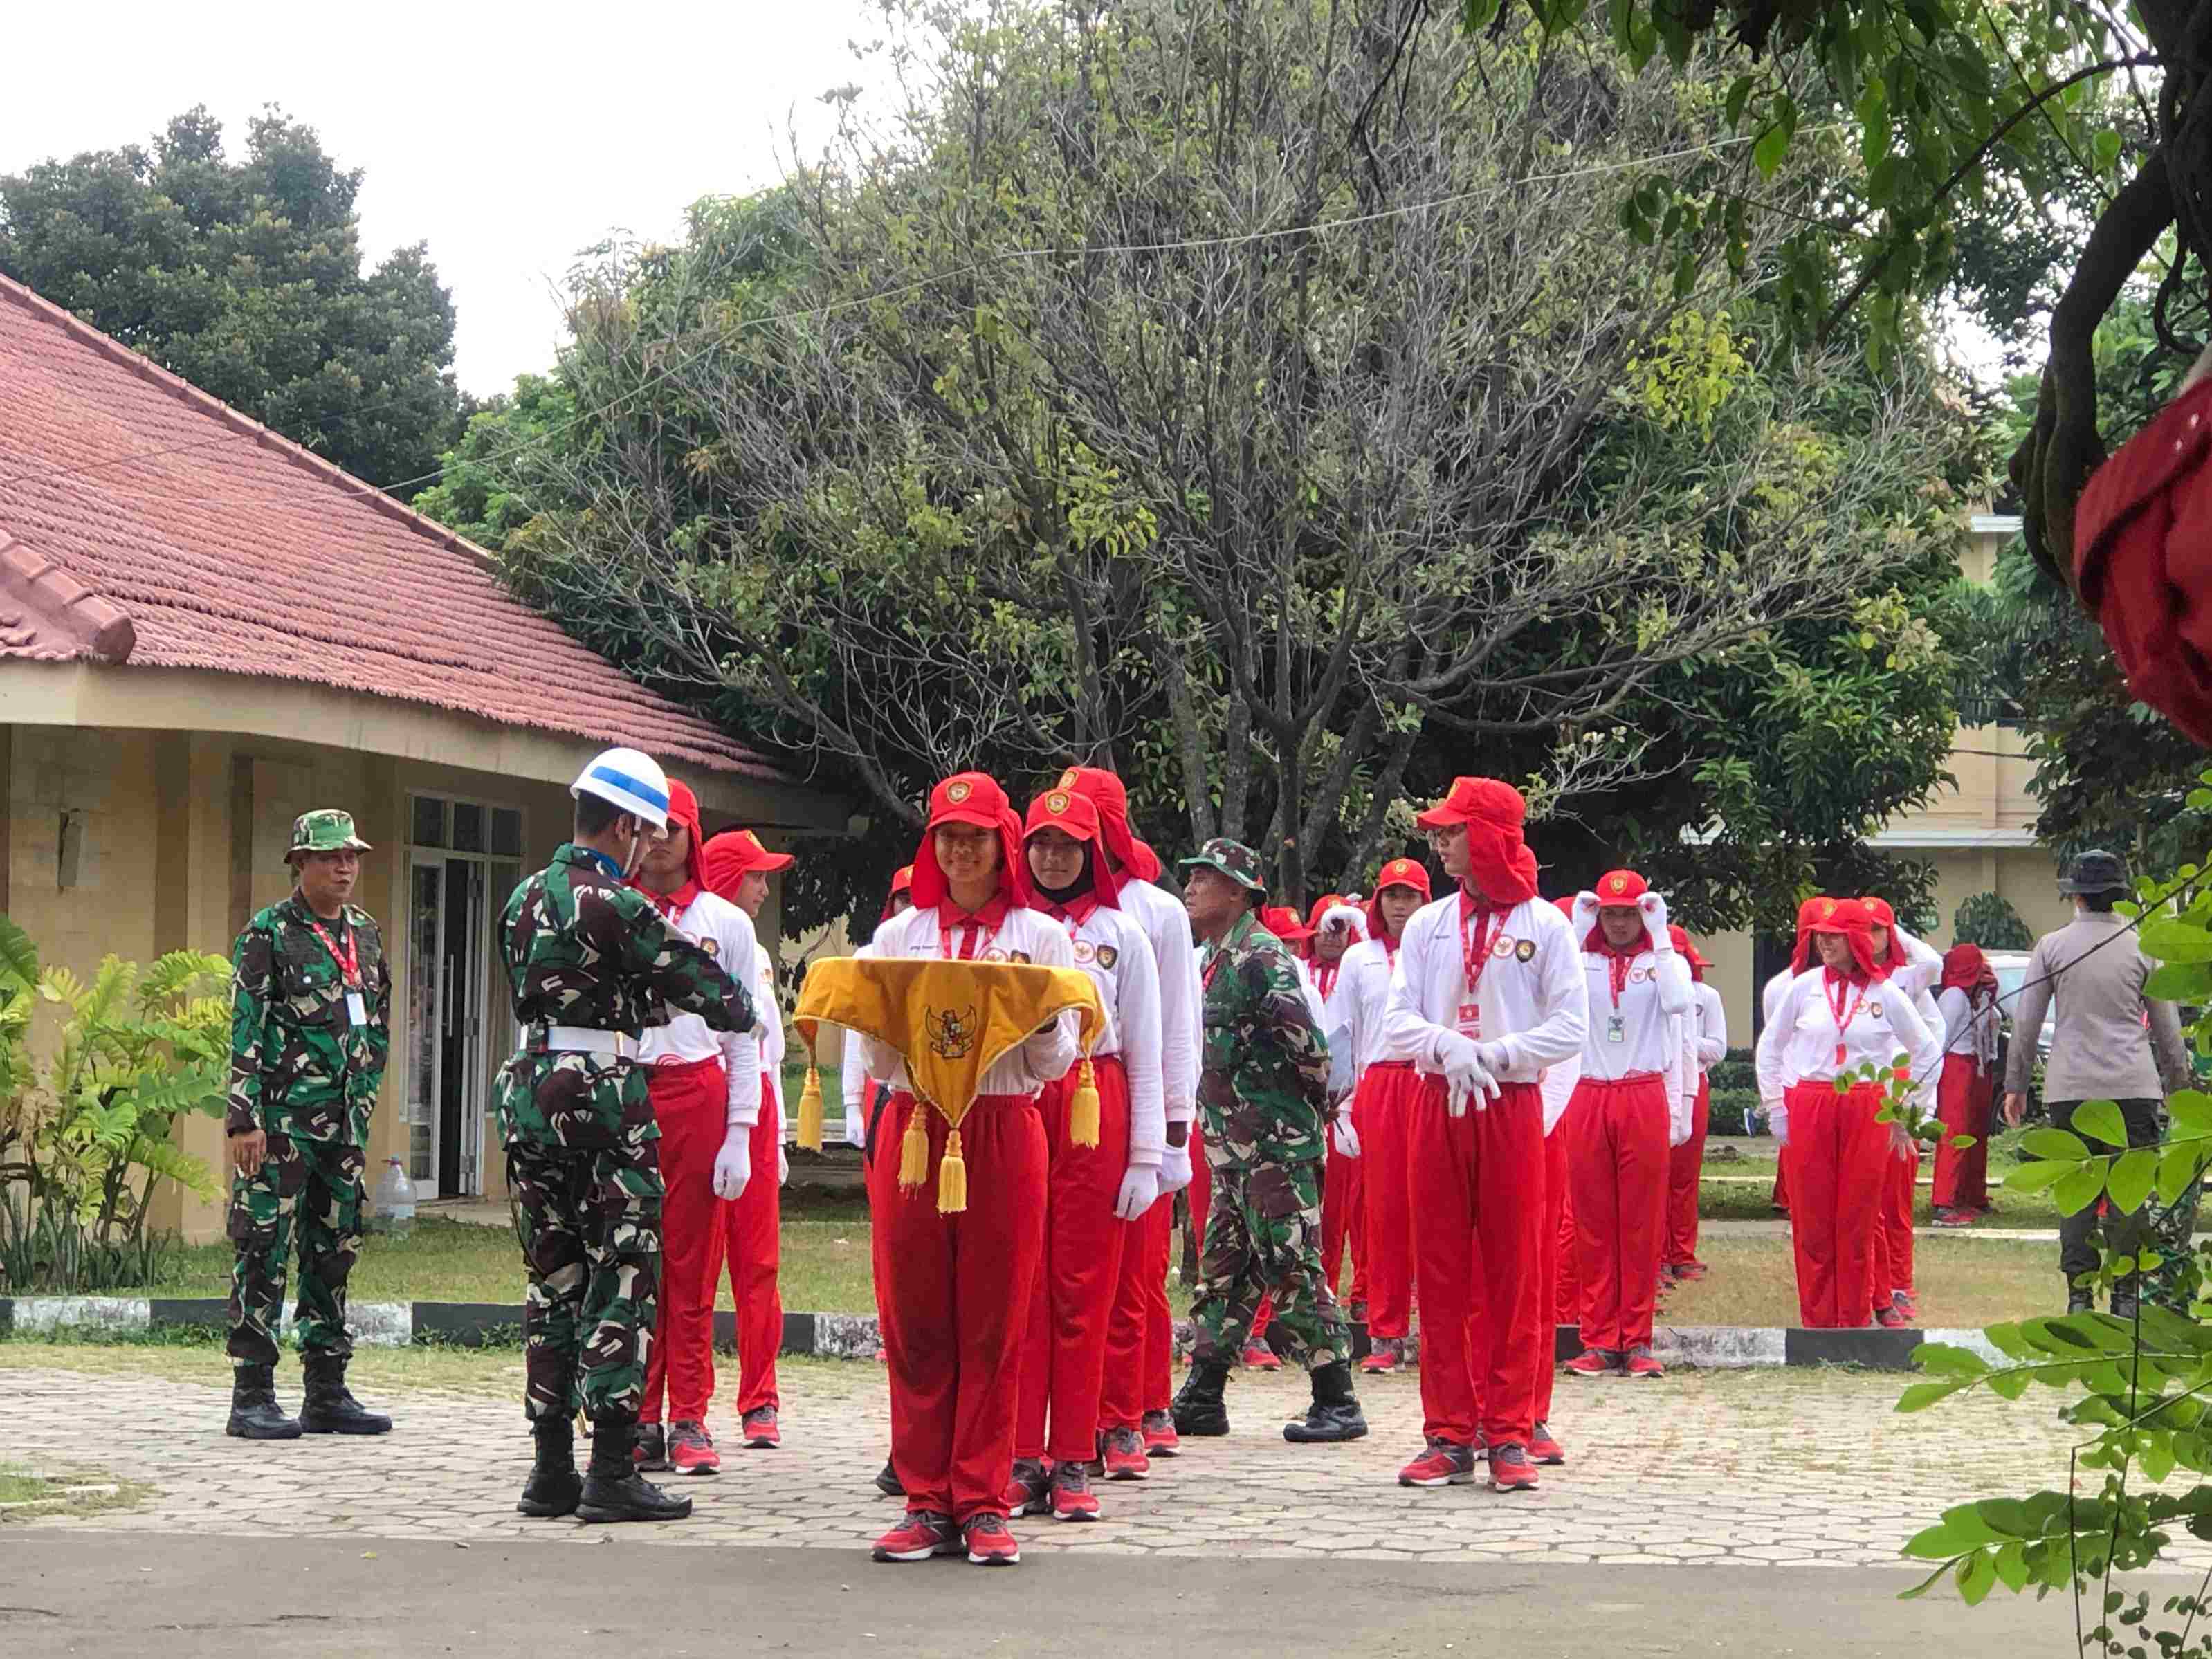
point(583, 1040)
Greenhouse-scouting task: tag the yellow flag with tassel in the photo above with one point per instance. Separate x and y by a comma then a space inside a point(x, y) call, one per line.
point(950, 1022)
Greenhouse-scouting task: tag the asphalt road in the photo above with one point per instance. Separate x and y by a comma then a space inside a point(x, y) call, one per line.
point(165, 1596)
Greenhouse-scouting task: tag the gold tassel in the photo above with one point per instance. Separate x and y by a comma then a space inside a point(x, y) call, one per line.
point(952, 1178)
point(914, 1147)
point(810, 1110)
point(1083, 1108)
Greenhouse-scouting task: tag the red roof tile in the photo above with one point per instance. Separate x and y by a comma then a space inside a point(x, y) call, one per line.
point(143, 520)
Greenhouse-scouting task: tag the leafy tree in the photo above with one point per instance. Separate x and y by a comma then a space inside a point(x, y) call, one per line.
point(1988, 920)
point(1330, 465)
point(246, 278)
point(1957, 115)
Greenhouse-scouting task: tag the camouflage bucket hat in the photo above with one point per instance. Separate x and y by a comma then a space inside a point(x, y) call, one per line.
point(1233, 859)
point(326, 829)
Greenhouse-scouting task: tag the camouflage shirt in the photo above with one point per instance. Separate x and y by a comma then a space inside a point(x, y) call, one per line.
point(584, 949)
point(299, 1064)
point(1264, 1091)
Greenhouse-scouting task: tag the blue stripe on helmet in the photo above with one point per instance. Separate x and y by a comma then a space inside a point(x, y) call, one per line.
point(645, 791)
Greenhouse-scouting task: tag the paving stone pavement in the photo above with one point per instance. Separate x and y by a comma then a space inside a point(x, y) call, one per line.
point(1710, 1467)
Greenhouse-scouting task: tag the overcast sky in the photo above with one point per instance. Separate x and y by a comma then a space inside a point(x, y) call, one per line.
point(507, 136)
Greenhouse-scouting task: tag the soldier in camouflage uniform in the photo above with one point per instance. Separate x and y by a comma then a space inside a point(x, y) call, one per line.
point(310, 1028)
point(592, 964)
point(1263, 1105)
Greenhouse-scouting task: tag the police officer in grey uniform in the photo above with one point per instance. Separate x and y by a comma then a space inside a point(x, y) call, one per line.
point(2102, 1047)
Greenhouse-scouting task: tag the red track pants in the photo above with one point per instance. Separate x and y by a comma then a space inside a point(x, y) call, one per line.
point(1140, 1336)
point(1685, 1163)
point(1381, 1113)
point(752, 1230)
point(1894, 1254)
point(1618, 1167)
point(1963, 1098)
point(955, 1292)
point(1567, 1302)
point(1343, 1210)
point(1072, 1304)
point(1479, 1216)
point(1837, 1161)
point(1549, 1249)
point(690, 1103)
point(1781, 1198)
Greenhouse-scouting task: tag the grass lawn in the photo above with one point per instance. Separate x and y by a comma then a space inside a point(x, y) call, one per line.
point(27, 1494)
point(1961, 1282)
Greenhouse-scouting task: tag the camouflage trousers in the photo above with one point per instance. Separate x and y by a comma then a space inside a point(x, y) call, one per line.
point(310, 1190)
point(1263, 1238)
point(589, 1220)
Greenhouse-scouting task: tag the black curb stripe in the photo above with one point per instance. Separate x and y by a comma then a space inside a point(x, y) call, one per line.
point(7, 1316)
point(187, 1311)
point(1876, 1347)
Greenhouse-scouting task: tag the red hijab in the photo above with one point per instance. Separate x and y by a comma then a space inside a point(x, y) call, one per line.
point(902, 882)
point(1688, 951)
point(1801, 957)
point(971, 798)
point(1111, 796)
point(1398, 872)
point(1075, 816)
point(1966, 969)
point(1499, 862)
point(1849, 917)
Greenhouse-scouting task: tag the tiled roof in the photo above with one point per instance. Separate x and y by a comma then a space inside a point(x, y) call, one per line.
point(143, 521)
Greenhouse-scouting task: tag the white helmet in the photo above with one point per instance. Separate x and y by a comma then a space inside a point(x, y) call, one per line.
point(631, 779)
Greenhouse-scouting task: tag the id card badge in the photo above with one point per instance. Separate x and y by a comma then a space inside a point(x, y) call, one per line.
point(1470, 1019)
point(1616, 1029)
point(356, 1009)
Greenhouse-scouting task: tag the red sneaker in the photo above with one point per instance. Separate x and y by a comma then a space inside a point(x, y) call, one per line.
point(692, 1450)
point(1029, 1492)
point(1890, 1318)
point(1160, 1437)
point(1641, 1364)
point(1690, 1270)
point(1259, 1356)
point(1382, 1356)
point(1510, 1469)
point(1907, 1304)
point(1124, 1455)
point(1443, 1464)
point(1071, 1497)
point(922, 1533)
point(1594, 1362)
point(989, 1543)
point(759, 1426)
point(1545, 1449)
point(649, 1450)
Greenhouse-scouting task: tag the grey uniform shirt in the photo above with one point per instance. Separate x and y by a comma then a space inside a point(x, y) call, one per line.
point(2098, 1047)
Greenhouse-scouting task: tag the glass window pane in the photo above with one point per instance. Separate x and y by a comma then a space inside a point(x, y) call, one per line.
point(506, 832)
point(468, 828)
point(429, 829)
point(425, 927)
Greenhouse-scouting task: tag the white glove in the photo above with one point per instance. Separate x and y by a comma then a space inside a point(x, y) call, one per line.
point(1347, 1138)
point(1777, 1120)
point(1654, 918)
point(1175, 1169)
point(1141, 1190)
point(1679, 1124)
point(782, 1167)
point(734, 1164)
point(1494, 1055)
point(1460, 1059)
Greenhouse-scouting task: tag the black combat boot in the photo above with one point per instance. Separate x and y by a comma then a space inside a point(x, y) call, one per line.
point(2127, 1296)
point(554, 1488)
point(613, 1489)
point(1334, 1414)
point(330, 1406)
point(254, 1412)
point(2081, 1301)
point(1198, 1407)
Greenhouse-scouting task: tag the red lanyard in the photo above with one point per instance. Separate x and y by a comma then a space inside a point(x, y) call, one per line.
point(1475, 943)
point(1835, 996)
point(348, 960)
point(1325, 977)
point(969, 949)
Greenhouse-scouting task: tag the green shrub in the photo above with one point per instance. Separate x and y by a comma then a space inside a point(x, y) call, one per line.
point(1988, 920)
point(1737, 1069)
point(1731, 1110)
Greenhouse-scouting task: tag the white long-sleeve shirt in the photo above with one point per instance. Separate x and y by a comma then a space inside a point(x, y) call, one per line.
point(1037, 1059)
point(1560, 1078)
point(1113, 948)
point(1800, 1043)
point(726, 933)
point(1711, 1026)
point(1770, 999)
point(1166, 924)
point(1641, 1032)
point(1363, 995)
point(1965, 1033)
point(1531, 999)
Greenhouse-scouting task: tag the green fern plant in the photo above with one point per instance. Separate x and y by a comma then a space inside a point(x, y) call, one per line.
point(86, 1107)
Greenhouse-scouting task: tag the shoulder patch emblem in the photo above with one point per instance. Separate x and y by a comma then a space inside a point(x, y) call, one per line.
point(1085, 949)
point(1018, 956)
point(1525, 950)
point(1108, 956)
point(710, 946)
